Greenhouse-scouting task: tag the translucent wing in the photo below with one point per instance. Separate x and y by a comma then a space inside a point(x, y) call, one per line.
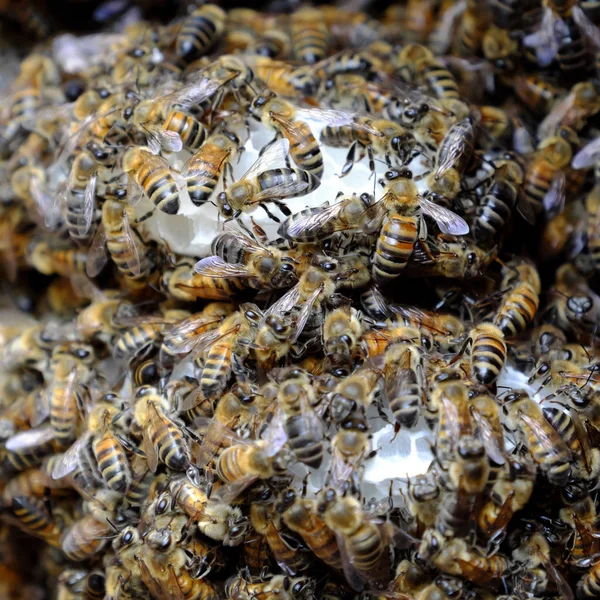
point(97, 256)
point(250, 244)
point(149, 449)
point(305, 312)
point(214, 430)
point(131, 250)
point(180, 339)
point(275, 437)
point(589, 29)
point(544, 40)
point(41, 408)
point(554, 200)
point(194, 92)
point(335, 117)
point(447, 221)
point(556, 116)
point(134, 191)
point(285, 303)
point(588, 156)
point(217, 158)
point(69, 461)
point(161, 138)
point(491, 442)
point(159, 589)
point(88, 205)
point(441, 37)
point(214, 266)
point(272, 155)
point(309, 227)
point(285, 190)
point(29, 440)
point(548, 442)
point(48, 208)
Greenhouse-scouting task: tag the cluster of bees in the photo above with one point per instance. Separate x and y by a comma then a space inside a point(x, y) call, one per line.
point(165, 417)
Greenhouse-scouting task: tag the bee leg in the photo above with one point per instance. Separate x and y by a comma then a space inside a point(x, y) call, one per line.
point(270, 214)
point(283, 208)
point(350, 159)
point(371, 156)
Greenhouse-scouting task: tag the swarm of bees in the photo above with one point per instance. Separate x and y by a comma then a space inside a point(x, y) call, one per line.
point(199, 427)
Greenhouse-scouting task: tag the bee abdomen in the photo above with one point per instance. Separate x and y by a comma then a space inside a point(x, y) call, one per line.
point(112, 463)
point(394, 247)
point(488, 358)
point(307, 448)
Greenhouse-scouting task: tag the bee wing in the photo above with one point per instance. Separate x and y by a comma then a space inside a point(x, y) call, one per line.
point(133, 260)
point(161, 138)
point(588, 156)
point(492, 446)
point(549, 442)
point(275, 438)
point(249, 243)
point(451, 414)
point(310, 225)
point(228, 493)
point(336, 118)
point(217, 158)
point(186, 330)
point(271, 156)
point(447, 221)
point(354, 577)
point(214, 429)
point(194, 92)
point(214, 266)
point(134, 191)
point(97, 256)
point(159, 589)
point(441, 37)
point(523, 142)
point(554, 200)
point(48, 207)
point(305, 312)
point(285, 190)
point(30, 439)
point(69, 461)
point(89, 204)
point(544, 40)
point(556, 115)
point(589, 29)
point(285, 303)
point(149, 450)
point(584, 439)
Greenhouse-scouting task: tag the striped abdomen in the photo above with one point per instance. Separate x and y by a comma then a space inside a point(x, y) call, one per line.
point(304, 148)
point(342, 136)
point(232, 463)
point(538, 180)
point(574, 54)
point(304, 441)
point(562, 422)
point(168, 440)
point(287, 176)
point(85, 538)
point(35, 520)
point(134, 340)
point(309, 40)
point(186, 284)
point(517, 310)
point(199, 31)
point(217, 368)
point(69, 262)
point(438, 79)
point(405, 401)
point(159, 185)
point(63, 403)
point(488, 356)
point(365, 546)
point(189, 129)
point(494, 211)
point(394, 247)
point(205, 173)
point(112, 462)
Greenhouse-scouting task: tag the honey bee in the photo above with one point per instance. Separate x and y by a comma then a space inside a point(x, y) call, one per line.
point(203, 170)
point(162, 439)
point(301, 516)
point(300, 422)
point(283, 78)
point(151, 175)
point(352, 393)
point(500, 49)
point(236, 254)
point(199, 31)
point(303, 147)
point(488, 352)
point(181, 282)
point(279, 587)
point(51, 258)
point(341, 331)
point(116, 237)
point(31, 516)
point(519, 305)
point(419, 66)
point(545, 445)
point(455, 557)
point(313, 224)
point(264, 182)
point(221, 348)
point(71, 367)
point(286, 550)
point(215, 519)
point(309, 35)
point(362, 538)
point(27, 449)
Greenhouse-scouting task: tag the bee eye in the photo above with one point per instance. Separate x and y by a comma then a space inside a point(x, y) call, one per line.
point(471, 258)
point(82, 353)
point(128, 113)
point(544, 368)
point(128, 537)
point(162, 506)
point(287, 267)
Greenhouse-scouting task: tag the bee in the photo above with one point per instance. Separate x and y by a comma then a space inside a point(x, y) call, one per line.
point(309, 35)
point(182, 282)
point(264, 183)
point(536, 93)
point(31, 516)
point(282, 78)
point(363, 539)
point(71, 368)
point(116, 237)
point(544, 183)
point(71, 584)
point(52, 258)
point(545, 445)
point(203, 170)
point(151, 175)
point(236, 254)
point(240, 587)
point(455, 557)
point(509, 494)
point(579, 513)
point(300, 422)
point(488, 352)
point(350, 446)
point(303, 147)
point(33, 482)
point(354, 392)
point(502, 196)
point(216, 520)
point(223, 347)
point(286, 550)
point(419, 66)
point(341, 332)
point(519, 305)
point(486, 416)
point(453, 156)
point(301, 516)
point(500, 49)
point(199, 31)
point(162, 439)
point(348, 214)
point(472, 27)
